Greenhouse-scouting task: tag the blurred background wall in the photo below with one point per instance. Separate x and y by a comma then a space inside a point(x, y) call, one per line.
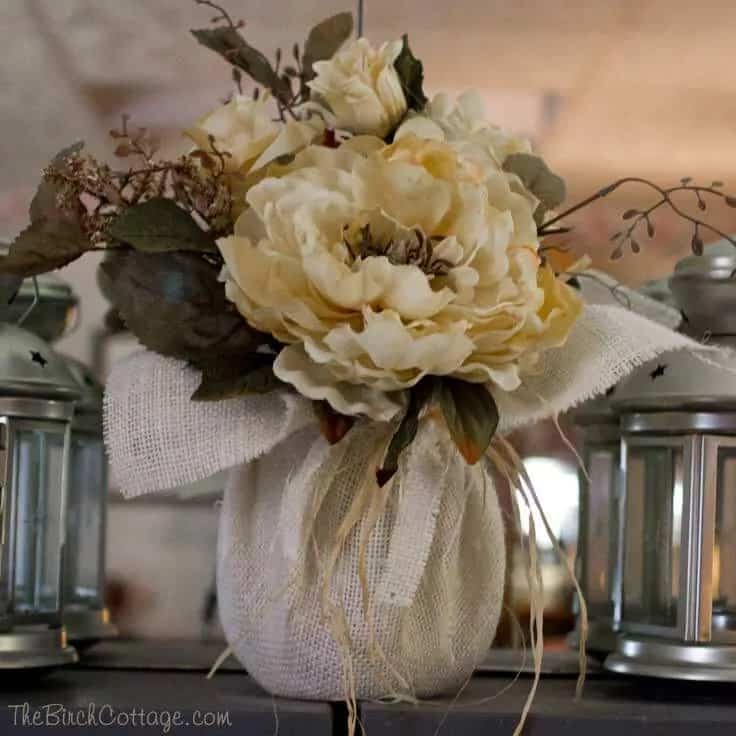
point(605, 88)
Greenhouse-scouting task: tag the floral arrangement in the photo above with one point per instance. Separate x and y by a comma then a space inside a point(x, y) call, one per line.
point(340, 237)
point(337, 233)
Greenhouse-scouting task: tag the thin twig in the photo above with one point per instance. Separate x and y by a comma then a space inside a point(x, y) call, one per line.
point(640, 216)
point(555, 231)
point(616, 289)
point(224, 15)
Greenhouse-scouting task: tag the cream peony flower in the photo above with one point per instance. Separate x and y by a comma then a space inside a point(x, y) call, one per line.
point(362, 88)
point(378, 265)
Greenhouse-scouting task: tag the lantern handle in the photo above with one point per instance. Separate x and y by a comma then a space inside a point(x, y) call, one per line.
point(32, 305)
point(361, 16)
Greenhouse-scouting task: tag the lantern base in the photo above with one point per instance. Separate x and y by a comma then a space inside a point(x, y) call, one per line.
point(601, 638)
point(87, 626)
point(35, 648)
point(650, 657)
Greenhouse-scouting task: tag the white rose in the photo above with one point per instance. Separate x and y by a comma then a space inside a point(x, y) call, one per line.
point(377, 265)
point(463, 122)
point(464, 119)
point(245, 130)
point(463, 125)
point(362, 88)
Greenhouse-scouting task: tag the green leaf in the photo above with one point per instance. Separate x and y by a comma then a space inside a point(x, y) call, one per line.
point(175, 305)
point(471, 415)
point(43, 246)
point(230, 44)
point(333, 425)
point(325, 40)
point(539, 214)
point(411, 75)
point(159, 225)
point(406, 431)
point(534, 173)
point(54, 237)
point(232, 380)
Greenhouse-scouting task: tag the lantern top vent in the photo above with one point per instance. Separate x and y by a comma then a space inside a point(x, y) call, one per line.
point(29, 368)
point(681, 382)
point(718, 261)
point(704, 288)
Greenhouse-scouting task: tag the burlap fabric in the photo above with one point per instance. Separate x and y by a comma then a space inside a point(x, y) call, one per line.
point(326, 584)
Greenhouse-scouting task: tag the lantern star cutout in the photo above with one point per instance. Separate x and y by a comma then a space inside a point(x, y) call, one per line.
point(657, 372)
point(36, 357)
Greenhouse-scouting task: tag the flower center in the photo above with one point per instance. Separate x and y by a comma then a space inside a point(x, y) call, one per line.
point(407, 247)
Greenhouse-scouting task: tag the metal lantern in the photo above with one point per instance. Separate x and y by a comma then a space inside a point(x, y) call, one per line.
point(37, 395)
point(676, 605)
point(85, 617)
point(597, 550)
point(49, 309)
point(600, 497)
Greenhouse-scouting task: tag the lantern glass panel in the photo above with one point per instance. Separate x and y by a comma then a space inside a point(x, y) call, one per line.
point(83, 555)
point(38, 462)
point(653, 525)
point(724, 571)
point(5, 577)
point(601, 527)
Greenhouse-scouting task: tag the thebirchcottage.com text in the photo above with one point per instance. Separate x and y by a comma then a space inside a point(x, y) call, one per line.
point(96, 715)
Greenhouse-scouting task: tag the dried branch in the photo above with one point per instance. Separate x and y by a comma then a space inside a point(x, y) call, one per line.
point(556, 231)
point(138, 142)
point(223, 14)
point(641, 217)
point(323, 41)
point(226, 40)
point(197, 181)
